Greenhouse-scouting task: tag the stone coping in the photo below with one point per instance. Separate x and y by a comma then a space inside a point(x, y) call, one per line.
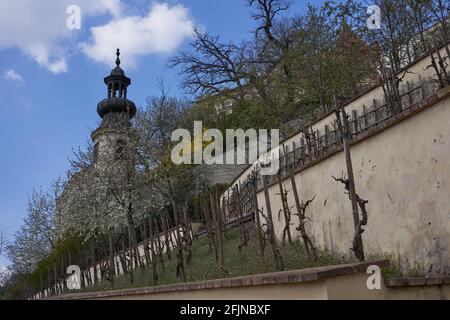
point(283, 277)
point(416, 281)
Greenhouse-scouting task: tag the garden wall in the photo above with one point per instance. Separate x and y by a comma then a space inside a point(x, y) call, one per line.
point(401, 166)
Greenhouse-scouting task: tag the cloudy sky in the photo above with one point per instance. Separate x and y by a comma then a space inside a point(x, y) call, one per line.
point(51, 77)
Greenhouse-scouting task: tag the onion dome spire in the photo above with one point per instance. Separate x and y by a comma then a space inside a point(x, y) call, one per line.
point(118, 59)
point(117, 82)
point(116, 110)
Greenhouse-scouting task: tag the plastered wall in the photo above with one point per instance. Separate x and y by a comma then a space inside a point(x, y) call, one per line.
point(404, 173)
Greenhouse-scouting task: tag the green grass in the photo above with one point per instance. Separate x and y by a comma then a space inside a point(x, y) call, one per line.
point(248, 261)
point(204, 266)
point(399, 267)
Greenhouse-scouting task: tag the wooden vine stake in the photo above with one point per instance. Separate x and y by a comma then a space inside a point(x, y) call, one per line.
point(286, 210)
point(257, 212)
point(349, 184)
point(279, 263)
point(181, 271)
point(211, 231)
point(220, 230)
point(243, 234)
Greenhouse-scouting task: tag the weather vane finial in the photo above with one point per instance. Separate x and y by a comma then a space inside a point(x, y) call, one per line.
point(118, 54)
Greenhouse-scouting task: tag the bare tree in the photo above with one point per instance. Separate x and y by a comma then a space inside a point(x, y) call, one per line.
point(440, 13)
point(265, 12)
point(392, 41)
point(213, 67)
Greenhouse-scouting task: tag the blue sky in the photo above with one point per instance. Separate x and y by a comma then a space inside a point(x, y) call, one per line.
point(51, 78)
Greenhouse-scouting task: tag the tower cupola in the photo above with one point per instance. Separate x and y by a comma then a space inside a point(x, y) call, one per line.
point(117, 82)
point(116, 102)
point(115, 110)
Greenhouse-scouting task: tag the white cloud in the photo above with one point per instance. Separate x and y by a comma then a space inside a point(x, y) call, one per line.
point(58, 66)
point(113, 7)
point(13, 76)
point(38, 28)
point(160, 31)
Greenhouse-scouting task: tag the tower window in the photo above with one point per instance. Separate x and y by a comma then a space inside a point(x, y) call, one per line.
point(120, 149)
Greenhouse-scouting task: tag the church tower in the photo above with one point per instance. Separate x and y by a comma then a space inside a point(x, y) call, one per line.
point(116, 111)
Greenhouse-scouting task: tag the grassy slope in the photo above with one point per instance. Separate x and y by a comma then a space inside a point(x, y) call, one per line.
point(205, 267)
